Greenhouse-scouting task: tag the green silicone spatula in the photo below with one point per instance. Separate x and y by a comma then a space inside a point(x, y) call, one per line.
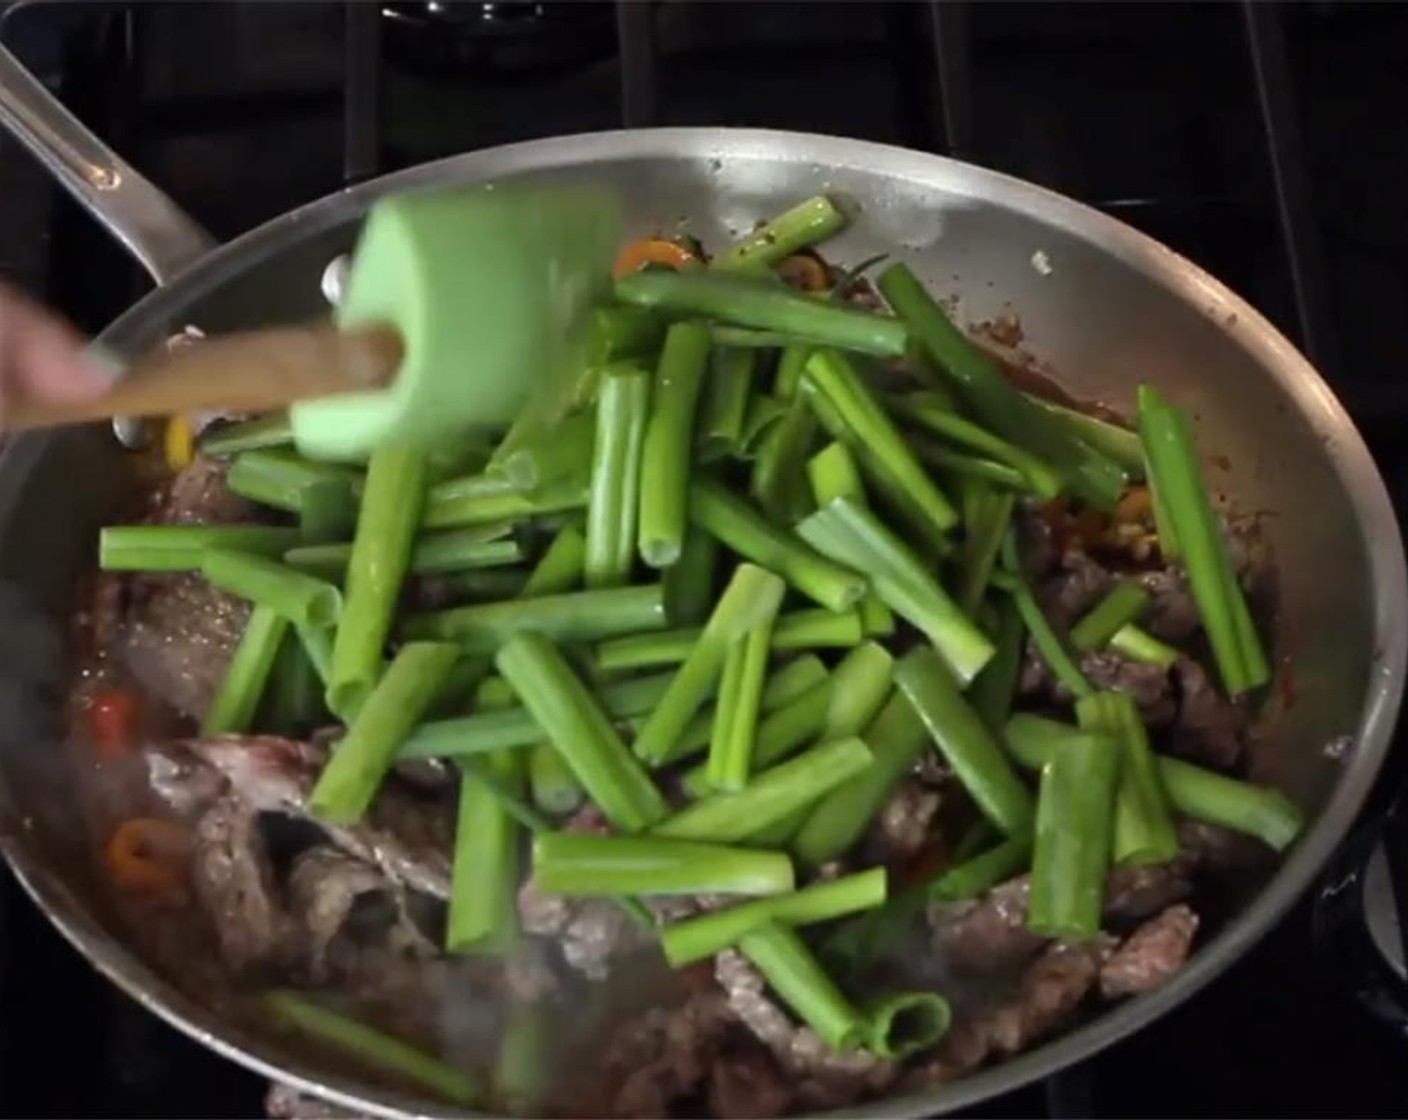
point(463, 309)
point(488, 289)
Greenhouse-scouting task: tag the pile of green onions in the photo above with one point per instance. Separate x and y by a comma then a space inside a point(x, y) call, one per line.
point(743, 563)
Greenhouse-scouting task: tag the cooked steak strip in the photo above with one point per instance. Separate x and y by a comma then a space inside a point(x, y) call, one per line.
point(1151, 954)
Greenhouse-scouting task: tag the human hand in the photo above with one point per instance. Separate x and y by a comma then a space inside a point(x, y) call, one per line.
point(44, 358)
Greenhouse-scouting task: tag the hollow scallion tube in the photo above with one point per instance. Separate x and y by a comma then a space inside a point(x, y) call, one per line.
point(366, 1044)
point(724, 406)
point(317, 644)
point(328, 512)
point(490, 729)
point(444, 510)
point(580, 864)
point(859, 687)
point(178, 548)
point(456, 550)
point(852, 535)
point(1044, 482)
point(992, 689)
point(668, 448)
point(263, 432)
point(1048, 643)
point(777, 483)
point(576, 725)
point(873, 429)
point(903, 1024)
point(976, 759)
point(994, 400)
point(696, 939)
point(749, 302)
point(354, 771)
point(1125, 602)
point(795, 630)
point(292, 704)
point(803, 677)
point(957, 466)
point(237, 699)
point(986, 515)
point(622, 409)
point(771, 796)
point(1073, 839)
point(794, 974)
point(563, 451)
point(381, 552)
point(833, 473)
point(782, 732)
point(559, 570)
point(622, 332)
point(583, 616)
point(1139, 645)
point(735, 726)
point(1111, 440)
point(300, 598)
point(689, 582)
point(800, 227)
point(982, 872)
point(1173, 466)
point(1144, 831)
point(483, 912)
point(1203, 795)
point(744, 530)
point(555, 788)
point(280, 478)
point(896, 737)
point(752, 595)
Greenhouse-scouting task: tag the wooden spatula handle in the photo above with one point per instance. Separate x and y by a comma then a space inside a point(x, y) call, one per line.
point(250, 371)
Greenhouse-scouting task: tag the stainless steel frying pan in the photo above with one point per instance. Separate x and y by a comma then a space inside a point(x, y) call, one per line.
point(1104, 305)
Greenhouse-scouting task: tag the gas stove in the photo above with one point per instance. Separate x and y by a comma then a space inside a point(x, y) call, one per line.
point(1257, 139)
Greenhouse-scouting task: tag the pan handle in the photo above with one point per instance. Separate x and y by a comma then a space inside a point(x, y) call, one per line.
point(157, 232)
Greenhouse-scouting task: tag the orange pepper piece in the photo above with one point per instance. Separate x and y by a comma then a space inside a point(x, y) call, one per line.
point(651, 250)
point(149, 856)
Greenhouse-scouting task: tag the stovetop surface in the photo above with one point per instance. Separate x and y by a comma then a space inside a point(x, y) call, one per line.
point(1149, 111)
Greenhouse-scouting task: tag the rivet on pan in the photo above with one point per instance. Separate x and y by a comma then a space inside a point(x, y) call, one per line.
point(334, 281)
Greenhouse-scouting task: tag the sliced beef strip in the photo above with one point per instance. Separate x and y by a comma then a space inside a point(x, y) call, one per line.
point(1036, 544)
point(591, 932)
point(989, 934)
point(1151, 955)
point(1209, 727)
point(1171, 616)
point(179, 632)
point(745, 1081)
point(1051, 991)
point(354, 918)
point(901, 828)
point(284, 1102)
point(821, 1077)
point(407, 837)
point(659, 1058)
point(1079, 583)
point(1149, 685)
point(234, 882)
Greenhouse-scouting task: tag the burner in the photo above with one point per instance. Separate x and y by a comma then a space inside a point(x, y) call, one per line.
point(498, 38)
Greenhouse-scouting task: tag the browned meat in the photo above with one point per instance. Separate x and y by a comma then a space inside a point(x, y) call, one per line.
point(351, 916)
point(1036, 544)
point(989, 934)
point(1052, 989)
point(590, 931)
point(1209, 727)
point(407, 837)
point(1149, 685)
point(1151, 954)
point(528, 974)
point(234, 882)
point(821, 1078)
point(180, 632)
point(662, 1056)
point(284, 1102)
point(903, 824)
point(1077, 586)
point(1171, 615)
point(746, 1082)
